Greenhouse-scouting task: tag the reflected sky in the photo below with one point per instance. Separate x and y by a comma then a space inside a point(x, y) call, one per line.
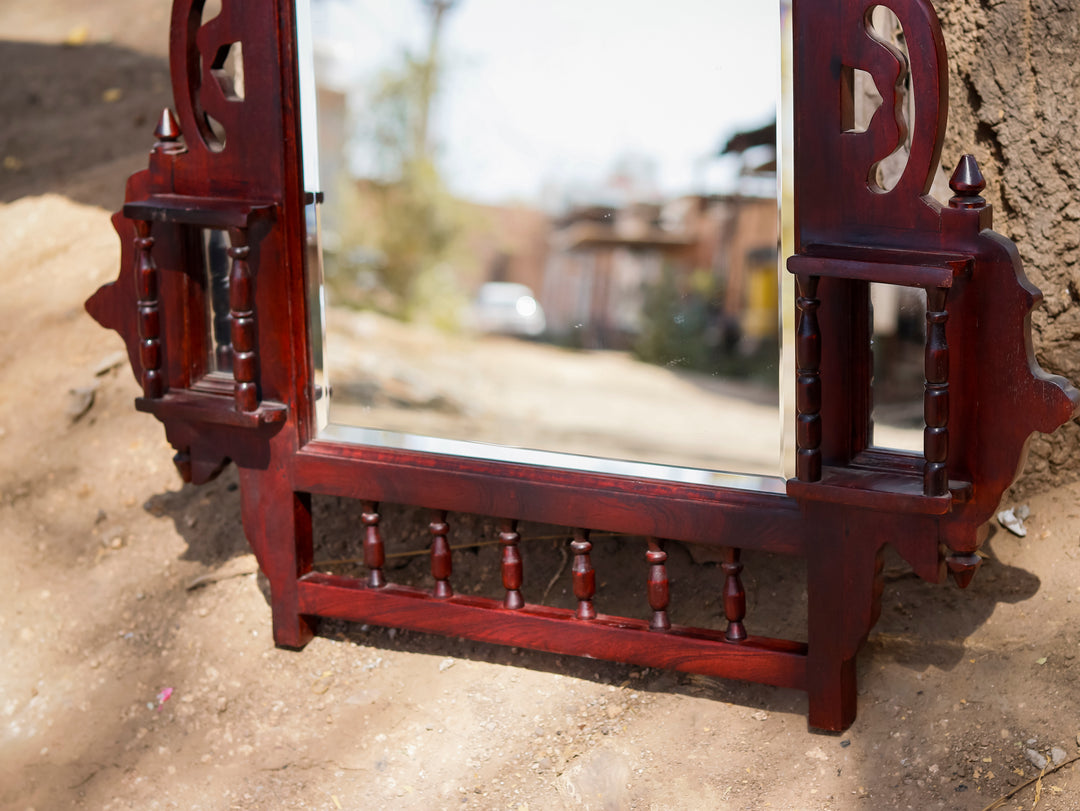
point(538, 96)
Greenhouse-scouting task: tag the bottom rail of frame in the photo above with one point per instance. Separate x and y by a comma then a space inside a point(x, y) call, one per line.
point(762, 660)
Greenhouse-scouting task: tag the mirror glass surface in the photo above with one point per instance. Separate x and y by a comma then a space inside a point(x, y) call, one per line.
point(898, 315)
point(549, 233)
point(215, 247)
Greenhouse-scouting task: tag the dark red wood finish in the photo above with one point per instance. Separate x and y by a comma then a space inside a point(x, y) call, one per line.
point(984, 393)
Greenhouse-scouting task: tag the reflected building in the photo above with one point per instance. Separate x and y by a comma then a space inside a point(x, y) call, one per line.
point(604, 261)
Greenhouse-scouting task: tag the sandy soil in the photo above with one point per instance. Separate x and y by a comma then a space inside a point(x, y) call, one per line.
point(117, 584)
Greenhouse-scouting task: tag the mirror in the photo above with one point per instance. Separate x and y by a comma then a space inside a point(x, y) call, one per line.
point(215, 246)
point(898, 315)
point(549, 232)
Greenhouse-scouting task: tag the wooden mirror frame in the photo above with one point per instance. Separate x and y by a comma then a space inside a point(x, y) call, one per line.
point(984, 392)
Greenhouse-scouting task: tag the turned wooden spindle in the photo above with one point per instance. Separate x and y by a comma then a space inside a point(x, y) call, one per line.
point(808, 382)
point(734, 594)
point(936, 396)
point(512, 572)
point(658, 585)
point(146, 281)
point(242, 313)
point(441, 565)
point(167, 134)
point(374, 554)
point(583, 574)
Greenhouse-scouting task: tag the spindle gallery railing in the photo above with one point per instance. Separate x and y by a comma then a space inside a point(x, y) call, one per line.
point(936, 275)
point(654, 584)
point(984, 392)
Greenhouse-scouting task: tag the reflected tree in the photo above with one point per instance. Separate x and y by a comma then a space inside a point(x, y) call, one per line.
point(405, 218)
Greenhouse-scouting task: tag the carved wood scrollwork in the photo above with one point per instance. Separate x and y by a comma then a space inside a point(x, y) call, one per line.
point(851, 232)
point(193, 183)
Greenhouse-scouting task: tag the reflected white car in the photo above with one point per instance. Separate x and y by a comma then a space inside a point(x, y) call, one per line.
point(508, 308)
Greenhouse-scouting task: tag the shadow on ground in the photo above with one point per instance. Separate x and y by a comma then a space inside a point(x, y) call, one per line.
point(922, 625)
point(56, 98)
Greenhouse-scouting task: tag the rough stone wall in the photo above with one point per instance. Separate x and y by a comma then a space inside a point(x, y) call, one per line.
point(1014, 87)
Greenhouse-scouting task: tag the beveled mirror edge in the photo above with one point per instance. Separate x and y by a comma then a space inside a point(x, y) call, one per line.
point(441, 446)
point(785, 199)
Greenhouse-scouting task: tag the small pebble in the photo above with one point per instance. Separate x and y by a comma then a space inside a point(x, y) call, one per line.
point(1037, 760)
point(1058, 755)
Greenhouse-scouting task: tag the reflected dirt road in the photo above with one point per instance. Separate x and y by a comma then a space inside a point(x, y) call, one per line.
point(492, 389)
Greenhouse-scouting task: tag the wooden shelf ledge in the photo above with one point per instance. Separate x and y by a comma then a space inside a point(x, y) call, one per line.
point(887, 491)
point(208, 212)
point(908, 268)
point(211, 408)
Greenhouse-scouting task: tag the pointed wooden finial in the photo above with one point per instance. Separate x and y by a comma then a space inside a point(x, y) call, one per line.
point(967, 182)
point(963, 568)
point(168, 134)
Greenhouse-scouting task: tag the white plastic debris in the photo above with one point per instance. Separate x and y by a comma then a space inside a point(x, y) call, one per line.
point(1013, 519)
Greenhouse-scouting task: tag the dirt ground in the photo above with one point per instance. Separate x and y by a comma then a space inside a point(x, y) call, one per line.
point(118, 584)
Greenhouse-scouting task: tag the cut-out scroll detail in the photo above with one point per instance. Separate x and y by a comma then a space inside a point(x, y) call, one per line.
point(228, 69)
point(214, 134)
point(211, 10)
point(859, 99)
point(884, 27)
point(211, 129)
point(225, 74)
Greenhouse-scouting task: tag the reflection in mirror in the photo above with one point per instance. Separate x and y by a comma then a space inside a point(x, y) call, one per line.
point(899, 343)
point(216, 263)
point(550, 226)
